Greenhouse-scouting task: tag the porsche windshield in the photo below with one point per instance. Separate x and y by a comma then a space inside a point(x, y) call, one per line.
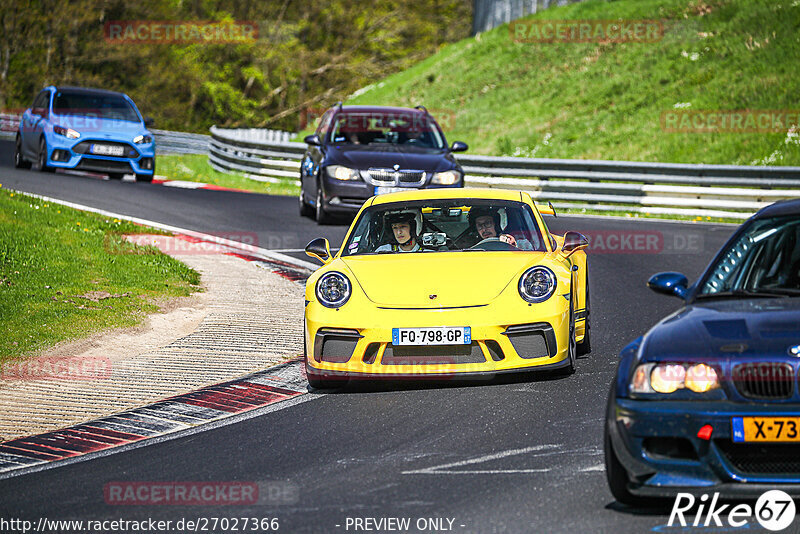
point(764, 260)
point(406, 129)
point(444, 226)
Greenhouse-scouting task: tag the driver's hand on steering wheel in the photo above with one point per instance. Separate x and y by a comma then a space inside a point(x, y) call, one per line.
point(507, 238)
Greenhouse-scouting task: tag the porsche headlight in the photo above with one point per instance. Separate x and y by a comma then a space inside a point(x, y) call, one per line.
point(670, 377)
point(446, 178)
point(537, 284)
point(142, 139)
point(333, 289)
point(66, 132)
point(339, 172)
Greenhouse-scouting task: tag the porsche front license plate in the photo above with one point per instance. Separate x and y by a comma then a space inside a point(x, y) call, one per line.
point(437, 335)
point(775, 429)
point(108, 150)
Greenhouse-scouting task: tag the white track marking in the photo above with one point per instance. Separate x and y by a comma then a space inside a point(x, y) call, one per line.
point(243, 247)
point(445, 469)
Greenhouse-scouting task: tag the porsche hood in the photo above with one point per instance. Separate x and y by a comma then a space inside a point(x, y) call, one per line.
point(447, 280)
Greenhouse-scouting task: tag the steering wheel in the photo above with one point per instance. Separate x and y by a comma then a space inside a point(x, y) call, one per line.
point(493, 243)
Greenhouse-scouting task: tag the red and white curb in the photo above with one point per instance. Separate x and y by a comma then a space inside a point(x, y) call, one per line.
point(168, 416)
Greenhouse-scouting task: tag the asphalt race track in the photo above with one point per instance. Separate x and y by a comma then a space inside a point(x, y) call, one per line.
point(519, 455)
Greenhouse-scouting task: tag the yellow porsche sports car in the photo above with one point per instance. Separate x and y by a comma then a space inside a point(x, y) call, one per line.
point(446, 283)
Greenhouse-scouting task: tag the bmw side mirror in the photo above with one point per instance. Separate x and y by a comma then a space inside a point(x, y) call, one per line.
point(573, 241)
point(319, 248)
point(314, 141)
point(673, 284)
point(148, 121)
point(458, 146)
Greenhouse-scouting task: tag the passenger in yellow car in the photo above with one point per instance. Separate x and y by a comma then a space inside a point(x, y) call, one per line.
point(404, 228)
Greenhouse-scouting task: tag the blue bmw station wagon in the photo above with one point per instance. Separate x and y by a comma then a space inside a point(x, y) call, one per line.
point(85, 129)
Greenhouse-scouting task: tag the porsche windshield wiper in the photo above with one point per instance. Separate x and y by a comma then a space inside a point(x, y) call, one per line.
point(742, 293)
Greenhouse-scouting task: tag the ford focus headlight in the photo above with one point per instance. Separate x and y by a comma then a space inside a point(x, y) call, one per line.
point(670, 377)
point(446, 178)
point(333, 289)
point(339, 172)
point(66, 132)
point(537, 284)
point(142, 139)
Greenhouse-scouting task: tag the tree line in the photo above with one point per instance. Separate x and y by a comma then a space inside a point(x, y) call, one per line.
point(302, 54)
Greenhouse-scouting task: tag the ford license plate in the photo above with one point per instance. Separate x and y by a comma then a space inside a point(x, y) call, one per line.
point(435, 335)
point(108, 150)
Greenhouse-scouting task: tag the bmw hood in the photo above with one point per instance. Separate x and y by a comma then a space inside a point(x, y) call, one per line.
point(387, 157)
point(437, 280)
point(726, 329)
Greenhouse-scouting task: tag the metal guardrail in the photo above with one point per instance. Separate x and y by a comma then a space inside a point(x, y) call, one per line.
point(731, 191)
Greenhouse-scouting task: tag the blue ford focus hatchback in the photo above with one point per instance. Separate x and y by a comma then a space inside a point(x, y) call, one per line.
point(85, 129)
point(708, 399)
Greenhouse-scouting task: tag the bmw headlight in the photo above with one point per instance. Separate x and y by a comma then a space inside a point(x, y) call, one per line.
point(339, 172)
point(66, 132)
point(142, 139)
point(446, 178)
point(333, 289)
point(537, 284)
point(670, 377)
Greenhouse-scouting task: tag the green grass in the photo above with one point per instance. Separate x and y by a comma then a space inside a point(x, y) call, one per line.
point(605, 100)
point(51, 255)
point(195, 168)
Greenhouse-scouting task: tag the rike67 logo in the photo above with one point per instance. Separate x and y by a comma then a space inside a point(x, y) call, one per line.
point(774, 510)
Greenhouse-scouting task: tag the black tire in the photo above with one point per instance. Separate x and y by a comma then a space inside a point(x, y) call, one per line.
point(144, 177)
point(570, 369)
point(115, 176)
point(19, 160)
point(305, 209)
point(585, 346)
point(43, 167)
point(322, 216)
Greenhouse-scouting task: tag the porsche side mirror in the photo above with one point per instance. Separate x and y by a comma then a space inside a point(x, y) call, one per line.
point(673, 284)
point(319, 248)
point(314, 141)
point(459, 146)
point(573, 241)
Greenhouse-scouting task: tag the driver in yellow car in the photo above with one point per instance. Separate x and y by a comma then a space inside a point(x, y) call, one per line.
point(487, 223)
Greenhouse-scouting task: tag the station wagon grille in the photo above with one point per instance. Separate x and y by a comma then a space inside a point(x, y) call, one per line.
point(393, 177)
point(764, 380)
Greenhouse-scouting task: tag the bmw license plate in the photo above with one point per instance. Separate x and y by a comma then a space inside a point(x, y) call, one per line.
point(774, 429)
point(435, 335)
point(382, 190)
point(108, 150)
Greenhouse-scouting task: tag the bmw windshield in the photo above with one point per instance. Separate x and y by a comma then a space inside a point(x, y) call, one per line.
point(763, 261)
point(410, 130)
point(445, 225)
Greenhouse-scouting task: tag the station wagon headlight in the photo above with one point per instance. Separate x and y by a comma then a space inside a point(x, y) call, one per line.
point(142, 139)
point(66, 132)
point(670, 377)
point(338, 172)
point(537, 284)
point(446, 178)
point(333, 289)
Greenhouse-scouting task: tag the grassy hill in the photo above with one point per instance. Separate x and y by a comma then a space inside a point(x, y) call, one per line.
point(605, 100)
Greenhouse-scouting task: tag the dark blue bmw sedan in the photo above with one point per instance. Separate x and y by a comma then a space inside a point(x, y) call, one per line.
point(708, 399)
